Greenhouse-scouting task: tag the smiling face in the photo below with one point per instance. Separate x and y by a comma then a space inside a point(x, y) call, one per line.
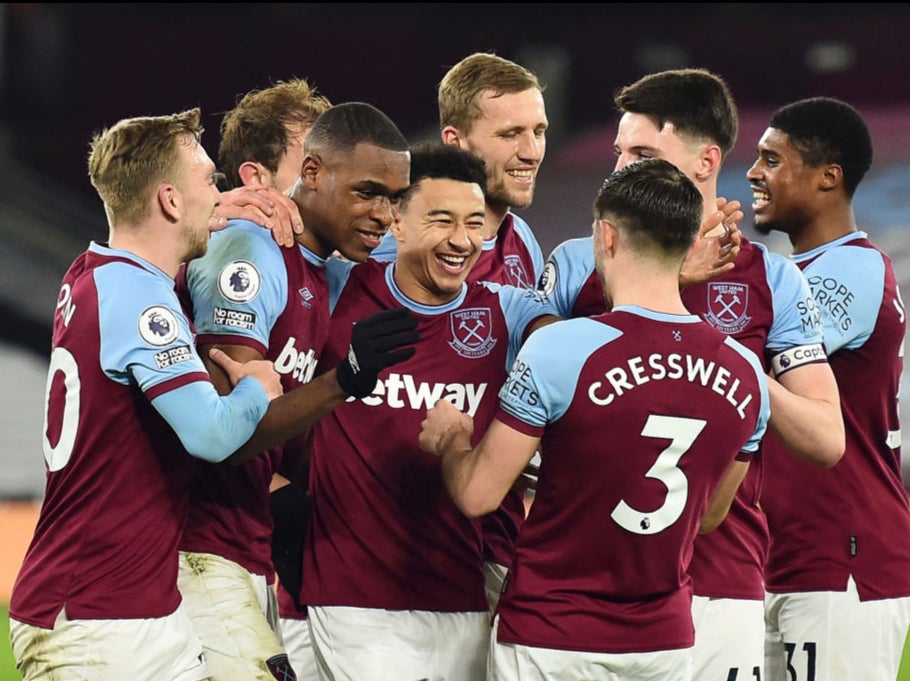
point(440, 237)
point(510, 137)
point(783, 186)
point(346, 198)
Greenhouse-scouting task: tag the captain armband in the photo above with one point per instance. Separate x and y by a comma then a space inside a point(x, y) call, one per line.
point(792, 358)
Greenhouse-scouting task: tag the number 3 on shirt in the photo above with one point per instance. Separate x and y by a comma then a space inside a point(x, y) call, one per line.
point(682, 433)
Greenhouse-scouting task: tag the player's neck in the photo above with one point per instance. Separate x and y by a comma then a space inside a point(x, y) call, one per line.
point(658, 292)
point(822, 229)
point(495, 215)
point(139, 241)
point(420, 291)
point(312, 243)
point(709, 198)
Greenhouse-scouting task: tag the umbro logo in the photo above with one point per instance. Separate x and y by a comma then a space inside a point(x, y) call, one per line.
point(306, 297)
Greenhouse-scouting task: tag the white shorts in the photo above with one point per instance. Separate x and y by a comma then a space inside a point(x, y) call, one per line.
point(159, 649)
point(297, 643)
point(235, 614)
point(729, 638)
point(494, 575)
point(356, 644)
point(832, 635)
point(514, 662)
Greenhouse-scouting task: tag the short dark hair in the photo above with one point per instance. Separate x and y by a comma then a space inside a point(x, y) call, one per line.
point(344, 126)
point(697, 102)
point(654, 203)
point(827, 130)
point(434, 160)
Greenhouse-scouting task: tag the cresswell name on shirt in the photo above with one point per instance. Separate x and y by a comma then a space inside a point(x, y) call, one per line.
point(640, 370)
point(403, 391)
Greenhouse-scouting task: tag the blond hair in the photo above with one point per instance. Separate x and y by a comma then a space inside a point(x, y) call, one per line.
point(460, 89)
point(130, 159)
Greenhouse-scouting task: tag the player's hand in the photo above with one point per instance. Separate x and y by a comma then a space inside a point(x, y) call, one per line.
point(716, 246)
point(260, 369)
point(445, 428)
point(265, 206)
point(376, 343)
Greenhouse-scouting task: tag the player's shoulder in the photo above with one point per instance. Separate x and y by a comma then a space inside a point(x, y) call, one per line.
point(241, 249)
point(238, 232)
point(573, 329)
point(126, 290)
point(521, 227)
point(844, 256)
point(572, 247)
point(127, 276)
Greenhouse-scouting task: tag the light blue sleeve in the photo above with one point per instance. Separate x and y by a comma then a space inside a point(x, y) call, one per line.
point(520, 307)
point(542, 382)
point(533, 246)
point(146, 340)
point(848, 285)
point(337, 272)
point(764, 410)
point(565, 273)
point(240, 286)
point(145, 336)
point(209, 426)
point(796, 319)
point(387, 250)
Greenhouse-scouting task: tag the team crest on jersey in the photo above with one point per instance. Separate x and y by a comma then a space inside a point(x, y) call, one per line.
point(280, 667)
point(728, 304)
point(548, 280)
point(239, 281)
point(158, 326)
point(516, 272)
point(472, 332)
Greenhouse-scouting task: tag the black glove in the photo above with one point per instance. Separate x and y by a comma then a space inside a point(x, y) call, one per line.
point(291, 507)
point(372, 340)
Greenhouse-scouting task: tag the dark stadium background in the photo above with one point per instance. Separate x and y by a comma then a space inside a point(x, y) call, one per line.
point(67, 70)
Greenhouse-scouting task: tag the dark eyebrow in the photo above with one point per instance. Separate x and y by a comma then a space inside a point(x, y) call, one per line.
point(375, 188)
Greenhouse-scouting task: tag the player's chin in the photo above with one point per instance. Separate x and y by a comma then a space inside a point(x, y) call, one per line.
point(355, 252)
point(762, 226)
point(521, 199)
point(197, 251)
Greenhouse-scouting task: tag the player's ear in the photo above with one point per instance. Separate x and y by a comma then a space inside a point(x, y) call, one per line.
point(451, 135)
point(709, 161)
point(832, 175)
point(397, 226)
point(604, 237)
point(254, 174)
point(607, 233)
point(170, 201)
point(309, 170)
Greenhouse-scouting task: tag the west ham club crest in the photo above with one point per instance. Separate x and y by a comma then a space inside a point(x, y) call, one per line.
point(728, 304)
point(472, 332)
point(516, 271)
